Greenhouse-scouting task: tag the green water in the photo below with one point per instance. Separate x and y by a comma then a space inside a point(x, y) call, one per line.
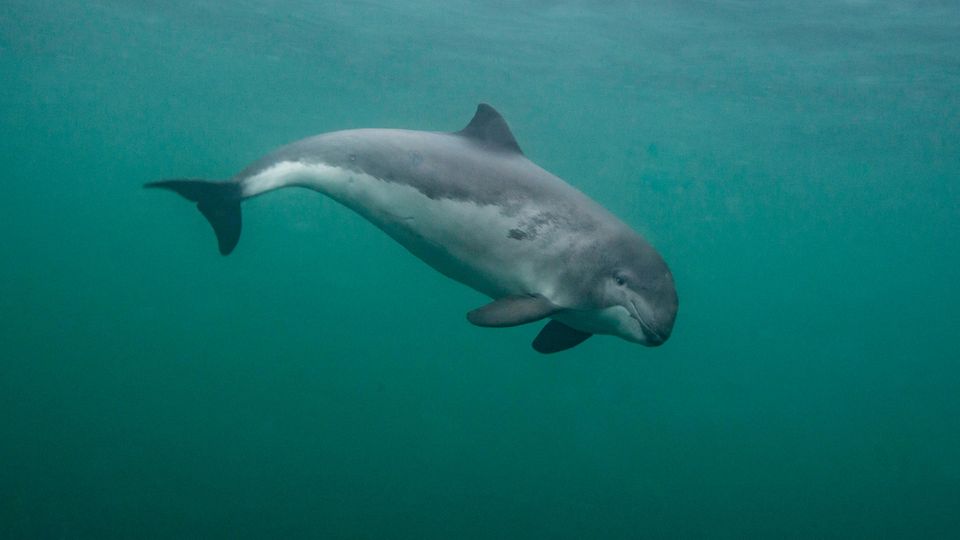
point(796, 163)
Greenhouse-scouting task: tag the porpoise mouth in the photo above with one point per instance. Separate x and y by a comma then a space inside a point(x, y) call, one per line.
point(653, 337)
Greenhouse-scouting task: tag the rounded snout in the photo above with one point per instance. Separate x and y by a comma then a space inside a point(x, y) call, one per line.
point(653, 338)
point(655, 334)
point(662, 326)
point(656, 318)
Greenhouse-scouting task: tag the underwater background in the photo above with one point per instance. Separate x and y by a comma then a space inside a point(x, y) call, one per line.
point(796, 163)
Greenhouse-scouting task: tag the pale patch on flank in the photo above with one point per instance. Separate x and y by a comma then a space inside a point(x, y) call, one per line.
point(445, 233)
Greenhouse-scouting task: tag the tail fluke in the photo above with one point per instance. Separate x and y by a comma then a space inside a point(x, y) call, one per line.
point(219, 202)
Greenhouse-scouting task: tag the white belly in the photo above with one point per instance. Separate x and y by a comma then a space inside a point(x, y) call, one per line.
point(468, 242)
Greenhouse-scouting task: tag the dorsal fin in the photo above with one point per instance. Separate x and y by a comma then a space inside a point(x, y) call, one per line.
point(490, 129)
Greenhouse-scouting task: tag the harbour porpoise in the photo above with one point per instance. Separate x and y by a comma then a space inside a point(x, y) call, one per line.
point(473, 207)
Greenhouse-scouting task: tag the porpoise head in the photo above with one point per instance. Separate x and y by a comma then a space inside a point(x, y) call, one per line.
point(632, 291)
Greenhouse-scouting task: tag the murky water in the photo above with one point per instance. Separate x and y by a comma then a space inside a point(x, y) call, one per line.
point(797, 164)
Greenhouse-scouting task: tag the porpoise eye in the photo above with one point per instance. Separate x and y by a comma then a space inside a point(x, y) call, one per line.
point(620, 280)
